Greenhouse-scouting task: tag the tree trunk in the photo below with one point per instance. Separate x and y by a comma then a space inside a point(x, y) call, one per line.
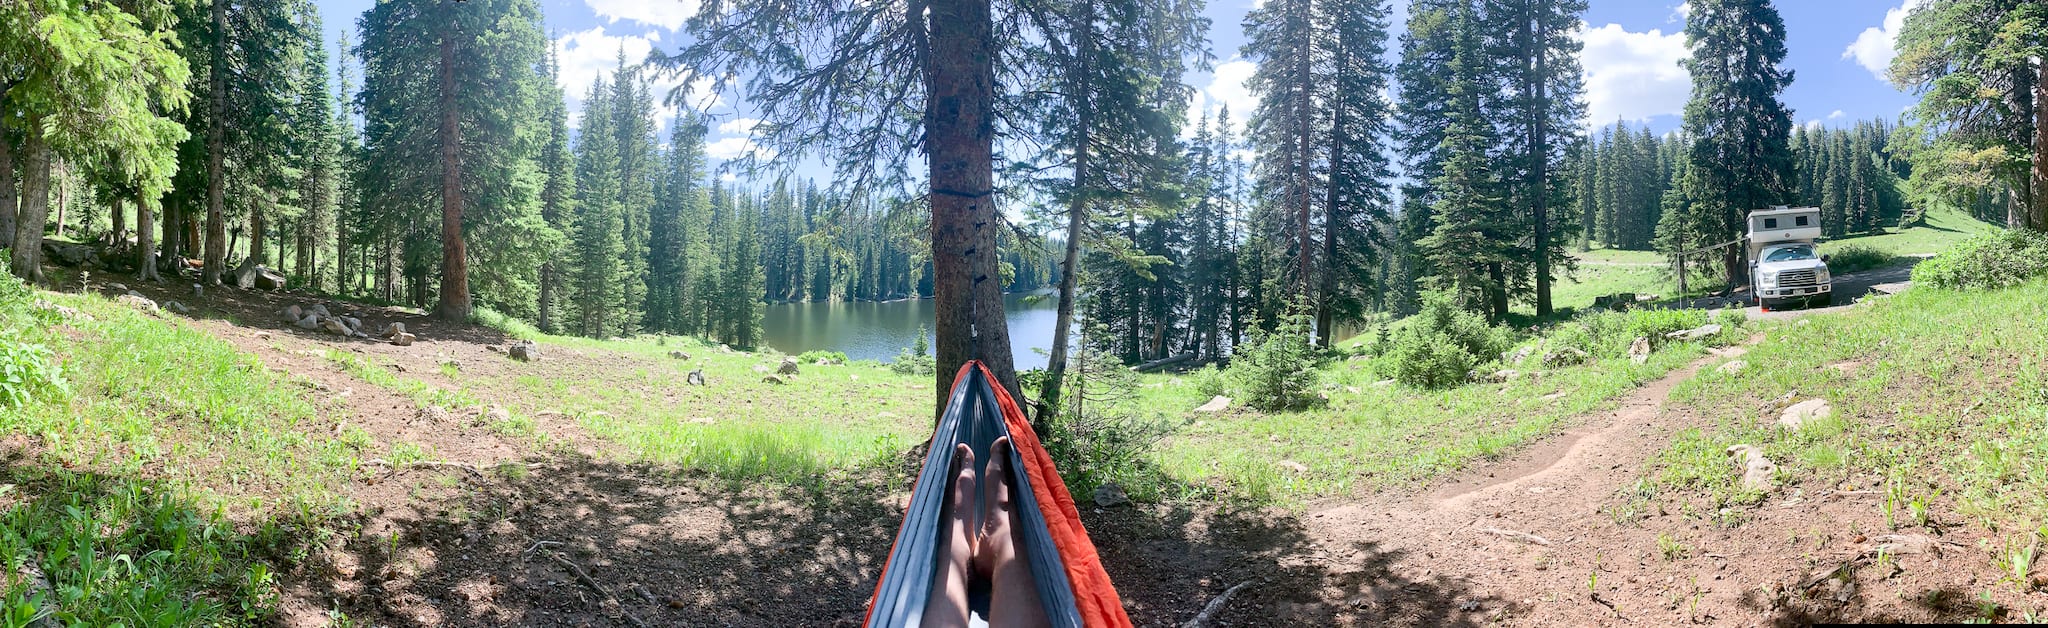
point(1497, 291)
point(547, 297)
point(2038, 210)
point(1077, 217)
point(62, 178)
point(27, 256)
point(960, 156)
point(454, 303)
point(1303, 108)
point(1325, 318)
point(119, 216)
point(259, 253)
point(8, 199)
point(145, 243)
point(216, 226)
point(1539, 161)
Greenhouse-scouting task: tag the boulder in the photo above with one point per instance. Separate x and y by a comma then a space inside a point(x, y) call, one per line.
point(177, 307)
point(788, 367)
point(1639, 350)
point(1567, 356)
point(1805, 412)
point(696, 377)
point(678, 355)
point(1756, 469)
point(1216, 404)
point(496, 415)
point(1503, 376)
point(1109, 495)
point(198, 291)
point(1731, 367)
point(293, 313)
point(258, 277)
point(403, 339)
point(138, 302)
point(69, 254)
point(117, 287)
point(354, 324)
point(525, 351)
point(334, 326)
point(393, 330)
point(1697, 333)
point(774, 379)
point(319, 309)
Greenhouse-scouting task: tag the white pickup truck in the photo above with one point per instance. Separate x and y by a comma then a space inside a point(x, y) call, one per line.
point(1785, 264)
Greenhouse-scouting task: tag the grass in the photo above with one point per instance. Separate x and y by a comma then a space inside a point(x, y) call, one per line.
point(1373, 436)
point(426, 394)
point(1942, 228)
point(161, 489)
point(1940, 400)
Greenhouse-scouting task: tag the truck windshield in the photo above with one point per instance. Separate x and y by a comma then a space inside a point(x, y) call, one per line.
point(1789, 253)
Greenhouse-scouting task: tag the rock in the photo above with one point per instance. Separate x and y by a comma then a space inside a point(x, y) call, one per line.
point(1756, 469)
point(263, 335)
point(695, 378)
point(496, 415)
point(354, 324)
point(1109, 495)
point(319, 309)
point(138, 302)
point(774, 379)
point(524, 351)
point(678, 355)
point(177, 307)
point(1216, 404)
point(68, 254)
point(254, 276)
point(1805, 412)
point(293, 313)
point(788, 367)
point(1731, 367)
point(1639, 350)
point(403, 339)
point(1903, 544)
point(433, 414)
point(311, 321)
point(198, 291)
point(1503, 376)
point(394, 329)
point(495, 349)
point(117, 287)
point(1521, 354)
point(1291, 465)
point(334, 326)
point(66, 312)
point(1697, 333)
point(1567, 356)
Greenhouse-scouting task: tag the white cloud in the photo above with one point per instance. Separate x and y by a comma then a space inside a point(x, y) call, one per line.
point(668, 14)
point(1813, 125)
point(736, 147)
point(1679, 13)
point(738, 126)
point(1875, 47)
point(584, 56)
point(1835, 114)
point(1633, 76)
point(1228, 85)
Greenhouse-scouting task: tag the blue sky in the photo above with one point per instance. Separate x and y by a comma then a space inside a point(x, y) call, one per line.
point(1836, 49)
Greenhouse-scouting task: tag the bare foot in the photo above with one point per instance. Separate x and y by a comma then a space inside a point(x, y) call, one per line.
point(947, 606)
point(1013, 595)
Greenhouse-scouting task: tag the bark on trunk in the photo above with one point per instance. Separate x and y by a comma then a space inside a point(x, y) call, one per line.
point(216, 227)
point(259, 252)
point(173, 251)
point(1497, 293)
point(1539, 147)
point(2038, 210)
point(8, 199)
point(119, 216)
point(1325, 317)
point(547, 297)
point(145, 242)
point(62, 177)
point(1303, 108)
point(1077, 219)
point(27, 255)
point(454, 303)
point(959, 153)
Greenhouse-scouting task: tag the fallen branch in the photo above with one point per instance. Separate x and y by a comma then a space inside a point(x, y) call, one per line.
point(584, 577)
point(1215, 606)
point(380, 462)
point(1517, 536)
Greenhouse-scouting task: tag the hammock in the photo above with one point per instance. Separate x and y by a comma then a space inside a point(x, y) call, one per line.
point(1071, 583)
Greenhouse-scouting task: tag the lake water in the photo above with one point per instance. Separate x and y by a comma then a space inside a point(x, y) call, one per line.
point(879, 331)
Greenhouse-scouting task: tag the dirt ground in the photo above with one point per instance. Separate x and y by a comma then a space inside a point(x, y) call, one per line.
point(551, 531)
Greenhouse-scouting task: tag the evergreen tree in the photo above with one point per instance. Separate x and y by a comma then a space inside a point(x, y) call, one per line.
point(1471, 244)
point(1534, 42)
point(675, 230)
point(1982, 69)
point(1740, 157)
point(600, 273)
point(318, 144)
point(557, 194)
point(632, 111)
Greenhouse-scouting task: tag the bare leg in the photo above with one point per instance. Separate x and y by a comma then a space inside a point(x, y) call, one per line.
point(1013, 595)
point(947, 606)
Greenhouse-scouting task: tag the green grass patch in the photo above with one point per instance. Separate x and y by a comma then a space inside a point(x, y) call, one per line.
point(426, 394)
point(1940, 399)
point(158, 488)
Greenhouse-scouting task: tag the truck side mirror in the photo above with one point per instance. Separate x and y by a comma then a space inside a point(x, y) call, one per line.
point(1824, 259)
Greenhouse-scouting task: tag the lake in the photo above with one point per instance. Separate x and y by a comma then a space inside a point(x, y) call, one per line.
point(879, 331)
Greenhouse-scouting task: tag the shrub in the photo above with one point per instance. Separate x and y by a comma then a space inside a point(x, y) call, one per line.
point(1210, 381)
point(1607, 334)
point(812, 357)
point(1993, 260)
point(1276, 370)
point(1098, 437)
point(916, 360)
point(1442, 343)
point(27, 371)
point(1857, 257)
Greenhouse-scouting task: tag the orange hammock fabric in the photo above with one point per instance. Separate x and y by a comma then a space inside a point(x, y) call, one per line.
point(1072, 584)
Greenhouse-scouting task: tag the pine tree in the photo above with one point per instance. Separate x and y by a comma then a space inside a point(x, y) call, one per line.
point(632, 111)
point(1471, 245)
point(1534, 43)
point(1982, 69)
point(1740, 158)
point(600, 273)
point(318, 142)
point(557, 194)
point(431, 96)
point(675, 230)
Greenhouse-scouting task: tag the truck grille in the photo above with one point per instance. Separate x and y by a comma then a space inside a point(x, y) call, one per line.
point(1796, 278)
